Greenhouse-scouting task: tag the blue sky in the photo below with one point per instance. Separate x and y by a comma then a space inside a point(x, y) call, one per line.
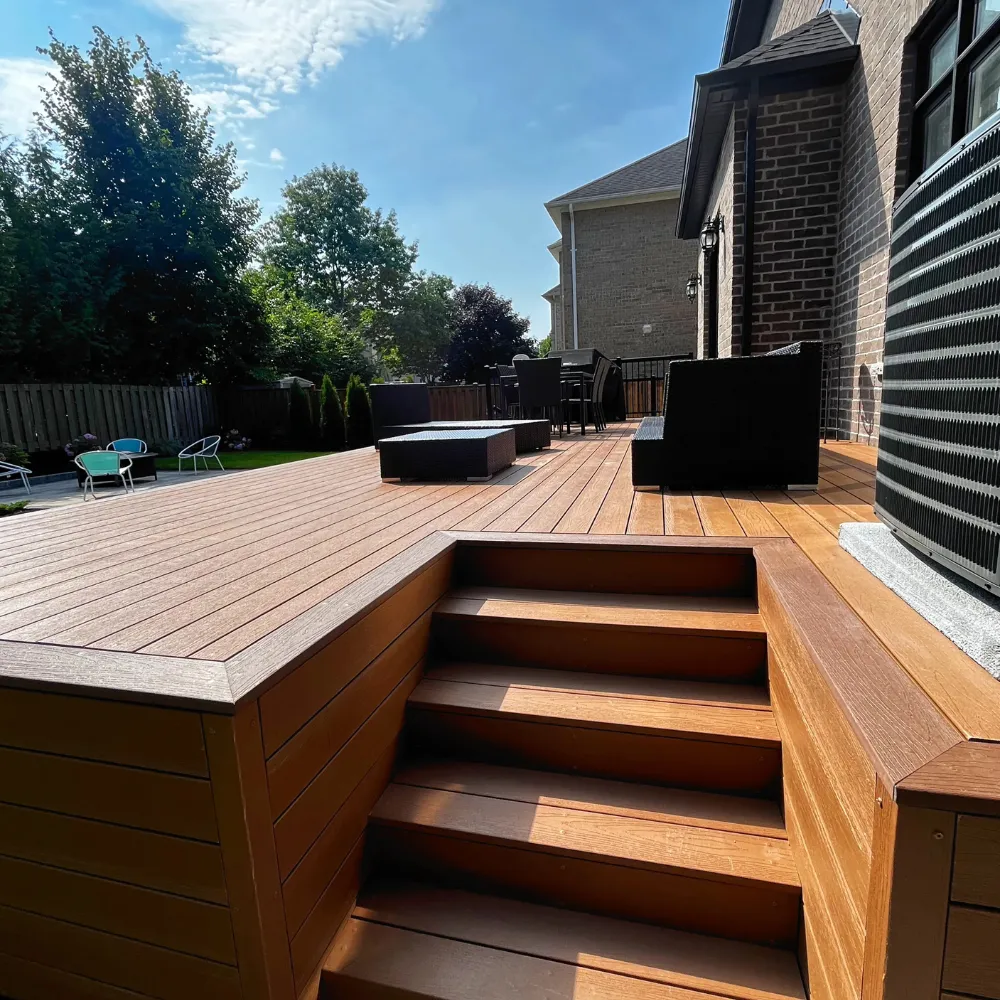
point(463, 115)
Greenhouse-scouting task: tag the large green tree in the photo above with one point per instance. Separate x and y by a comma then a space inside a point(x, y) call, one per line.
point(487, 332)
point(49, 303)
point(125, 178)
point(304, 340)
point(345, 256)
point(418, 335)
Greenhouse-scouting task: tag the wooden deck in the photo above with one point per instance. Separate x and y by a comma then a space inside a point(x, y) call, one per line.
point(204, 689)
point(207, 569)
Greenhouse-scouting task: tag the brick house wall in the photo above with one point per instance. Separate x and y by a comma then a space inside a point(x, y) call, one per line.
point(631, 271)
point(798, 180)
point(796, 217)
point(721, 206)
point(877, 98)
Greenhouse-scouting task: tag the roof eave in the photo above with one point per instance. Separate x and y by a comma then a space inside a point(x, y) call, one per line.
point(556, 207)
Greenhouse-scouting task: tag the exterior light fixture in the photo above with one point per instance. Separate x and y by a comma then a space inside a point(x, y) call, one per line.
point(692, 286)
point(710, 234)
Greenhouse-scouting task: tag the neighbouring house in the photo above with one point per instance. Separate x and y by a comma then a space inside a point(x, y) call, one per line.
point(819, 117)
point(622, 271)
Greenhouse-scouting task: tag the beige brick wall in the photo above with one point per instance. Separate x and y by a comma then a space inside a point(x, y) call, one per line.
point(631, 271)
point(874, 95)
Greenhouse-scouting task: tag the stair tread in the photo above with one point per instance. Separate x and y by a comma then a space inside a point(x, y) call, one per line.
point(719, 712)
point(656, 689)
point(611, 838)
point(731, 616)
point(463, 946)
point(599, 795)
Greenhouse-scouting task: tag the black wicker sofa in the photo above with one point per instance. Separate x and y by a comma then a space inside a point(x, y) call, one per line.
point(735, 423)
point(405, 408)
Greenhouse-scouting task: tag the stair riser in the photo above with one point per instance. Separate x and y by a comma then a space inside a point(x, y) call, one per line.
point(678, 762)
point(643, 571)
point(746, 911)
point(649, 653)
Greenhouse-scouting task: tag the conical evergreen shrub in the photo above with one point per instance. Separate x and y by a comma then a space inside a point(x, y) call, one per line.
point(301, 420)
point(332, 429)
point(359, 414)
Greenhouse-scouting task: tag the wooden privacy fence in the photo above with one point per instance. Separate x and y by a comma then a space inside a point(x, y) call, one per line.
point(458, 402)
point(39, 417)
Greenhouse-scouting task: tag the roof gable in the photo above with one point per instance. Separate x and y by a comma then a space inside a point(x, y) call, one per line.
point(825, 32)
point(659, 171)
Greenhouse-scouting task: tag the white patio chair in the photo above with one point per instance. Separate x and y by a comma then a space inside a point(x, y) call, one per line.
point(204, 448)
point(8, 470)
point(104, 463)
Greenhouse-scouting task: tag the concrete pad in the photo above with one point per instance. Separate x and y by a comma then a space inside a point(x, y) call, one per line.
point(965, 613)
point(66, 493)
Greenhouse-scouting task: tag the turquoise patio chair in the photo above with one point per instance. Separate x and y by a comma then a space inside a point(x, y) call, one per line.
point(204, 448)
point(104, 463)
point(135, 445)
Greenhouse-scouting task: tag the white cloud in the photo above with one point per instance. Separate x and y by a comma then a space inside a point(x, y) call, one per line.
point(269, 47)
point(20, 96)
point(277, 156)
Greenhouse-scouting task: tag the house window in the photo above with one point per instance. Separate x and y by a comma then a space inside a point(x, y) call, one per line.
point(958, 75)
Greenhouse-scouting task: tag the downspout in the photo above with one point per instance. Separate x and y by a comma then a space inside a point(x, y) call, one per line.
point(749, 210)
point(572, 257)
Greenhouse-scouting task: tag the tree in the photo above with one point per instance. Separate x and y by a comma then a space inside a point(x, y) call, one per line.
point(422, 328)
point(332, 429)
point(544, 346)
point(301, 421)
point(487, 332)
point(303, 340)
point(125, 179)
point(49, 302)
point(345, 257)
point(359, 414)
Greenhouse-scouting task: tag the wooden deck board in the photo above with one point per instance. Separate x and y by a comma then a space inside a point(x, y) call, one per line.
point(206, 569)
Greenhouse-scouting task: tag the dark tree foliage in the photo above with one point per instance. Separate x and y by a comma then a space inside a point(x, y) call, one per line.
point(301, 419)
point(359, 414)
point(487, 332)
point(122, 239)
point(332, 429)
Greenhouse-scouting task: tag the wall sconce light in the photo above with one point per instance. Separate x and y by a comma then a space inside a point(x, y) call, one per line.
point(692, 286)
point(710, 234)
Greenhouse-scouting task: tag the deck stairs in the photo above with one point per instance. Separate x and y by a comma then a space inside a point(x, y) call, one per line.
point(588, 805)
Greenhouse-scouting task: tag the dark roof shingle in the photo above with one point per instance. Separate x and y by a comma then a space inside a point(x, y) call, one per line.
point(824, 33)
point(661, 170)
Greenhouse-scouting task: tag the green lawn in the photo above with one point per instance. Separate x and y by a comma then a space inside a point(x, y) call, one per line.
point(245, 459)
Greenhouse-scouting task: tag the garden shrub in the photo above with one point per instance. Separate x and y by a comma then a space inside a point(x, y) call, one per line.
point(85, 442)
point(359, 414)
point(14, 455)
point(332, 429)
point(16, 507)
point(166, 449)
point(301, 421)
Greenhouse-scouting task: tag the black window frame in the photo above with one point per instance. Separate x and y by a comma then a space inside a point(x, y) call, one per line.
point(955, 81)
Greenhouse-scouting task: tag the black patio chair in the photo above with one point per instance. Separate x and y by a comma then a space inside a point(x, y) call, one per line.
point(540, 389)
point(601, 371)
point(735, 423)
point(508, 390)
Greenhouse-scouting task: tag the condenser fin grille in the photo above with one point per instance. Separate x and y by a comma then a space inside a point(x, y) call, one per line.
point(938, 481)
